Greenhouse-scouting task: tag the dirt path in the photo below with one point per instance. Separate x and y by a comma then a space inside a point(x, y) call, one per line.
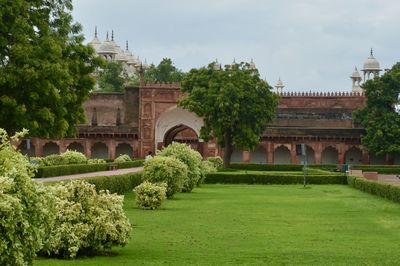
point(93, 174)
point(392, 179)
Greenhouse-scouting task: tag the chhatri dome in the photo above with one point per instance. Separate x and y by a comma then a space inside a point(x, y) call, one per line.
point(371, 67)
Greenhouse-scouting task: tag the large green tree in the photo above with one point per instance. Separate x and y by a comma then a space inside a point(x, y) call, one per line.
point(165, 72)
point(45, 70)
point(380, 116)
point(112, 78)
point(235, 103)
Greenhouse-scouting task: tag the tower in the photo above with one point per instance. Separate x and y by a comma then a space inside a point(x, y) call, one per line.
point(356, 78)
point(279, 85)
point(371, 67)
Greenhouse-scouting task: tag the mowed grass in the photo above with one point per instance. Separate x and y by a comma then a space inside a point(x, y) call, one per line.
point(260, 225)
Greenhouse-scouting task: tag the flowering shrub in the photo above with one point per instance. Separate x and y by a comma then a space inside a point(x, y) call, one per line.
point(149, 196)
point(188, 156)
point(216, 161)
point(206, 168)
point(25, 206)
point(86, 221)
point(166, 169)
point(53, 159)
point(74, 157)
point(123, 158)
point(96, 161)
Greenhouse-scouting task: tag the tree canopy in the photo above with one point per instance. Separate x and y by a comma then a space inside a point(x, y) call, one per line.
point(112, 78)
point(45, 70)
point(380, 116)
point(165, 72)
point(235, 103)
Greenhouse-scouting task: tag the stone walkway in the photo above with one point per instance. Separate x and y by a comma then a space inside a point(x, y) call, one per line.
point(392, 179)
point(93, 174)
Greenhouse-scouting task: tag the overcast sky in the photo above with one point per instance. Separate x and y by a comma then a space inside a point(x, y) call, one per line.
point(311, 44)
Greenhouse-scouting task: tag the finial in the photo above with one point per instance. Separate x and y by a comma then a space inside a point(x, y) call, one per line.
point(95, 31)
point(127, 47)
point(372, 53)
point(234, 61)
point(355, 68)
point(112, 35)
point(251, 61)
point(107, 36)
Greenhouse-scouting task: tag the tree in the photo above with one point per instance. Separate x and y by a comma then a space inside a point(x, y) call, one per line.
point(112, 78)
point(164, 72)
point(45, 70)
point(234, 102)
point(380, 116)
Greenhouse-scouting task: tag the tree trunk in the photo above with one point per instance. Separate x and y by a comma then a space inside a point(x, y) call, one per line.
point(228, 149)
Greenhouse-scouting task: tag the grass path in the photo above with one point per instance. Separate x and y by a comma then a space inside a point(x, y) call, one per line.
point(261, 225)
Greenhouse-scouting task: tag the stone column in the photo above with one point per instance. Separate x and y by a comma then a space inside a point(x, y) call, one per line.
point(111, 149)
point(87, 148)
point(365, 156)
point(270, 152)
point(341, 154)
point(293, 159)
point(318, 153)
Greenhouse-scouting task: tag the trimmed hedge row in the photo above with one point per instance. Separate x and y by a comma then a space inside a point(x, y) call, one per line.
point(266, 167)
point(382, 169)
point(71, 169)
point(265, 178)
point(380, 189)
point(119, 184)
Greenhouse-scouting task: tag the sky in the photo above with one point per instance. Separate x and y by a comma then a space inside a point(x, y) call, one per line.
point(310, 44)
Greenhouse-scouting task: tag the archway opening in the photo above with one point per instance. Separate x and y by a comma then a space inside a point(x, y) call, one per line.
point(183, 134)
point(258, 155)
point(237, 156)
point(282, 155)
point(99, 150)
point(50, 148)
point(310, 155)
point(75, 146)
point(353, 156)
point(330, 156)
point(24, 150)
point(124, 148)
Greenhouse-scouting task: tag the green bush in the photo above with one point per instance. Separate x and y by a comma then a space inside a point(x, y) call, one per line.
point(87, 221)
point(384, 190)
point(216, 161)
point(96, 161)
point(190, 157)
point(149, 196)
point(53, 159)
point(119, 184)
point(131, 164)
point(381, 169)
point(60, 170)
point(266, 167)
point(26, 212)
point(74, 157)
point(166, 169)
point(273, 178)
point(206, 167)
point(123, 158)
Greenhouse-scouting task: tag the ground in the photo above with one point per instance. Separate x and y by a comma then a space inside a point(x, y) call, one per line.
point(259, 225)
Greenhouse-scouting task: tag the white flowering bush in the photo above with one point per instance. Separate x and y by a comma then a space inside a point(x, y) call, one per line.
point(188, 156)
point(206, 167)
point(123, 158)
point(149, 196)
point(74, 157)
point(86, 221)
point(96, 161)
point(26, 213)
point(216, 161)
point(166, 169)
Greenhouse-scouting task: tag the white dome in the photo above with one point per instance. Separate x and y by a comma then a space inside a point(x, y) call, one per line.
point(371, 63)
point(121, 56)
point(95, 43)
point(279, 84)
point(108, 47)
point(355, 74)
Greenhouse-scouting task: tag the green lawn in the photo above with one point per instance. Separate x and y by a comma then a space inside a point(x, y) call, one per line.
point(259, 225)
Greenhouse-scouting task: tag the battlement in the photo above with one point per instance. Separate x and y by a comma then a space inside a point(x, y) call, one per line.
point(320, 94)
point(174, 85)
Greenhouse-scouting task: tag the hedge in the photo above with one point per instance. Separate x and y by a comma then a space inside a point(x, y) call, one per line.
point(70, 169)
point(266, 167)
point(119, 184)
point(384, 190)
point(382, 169)
point(276, 178)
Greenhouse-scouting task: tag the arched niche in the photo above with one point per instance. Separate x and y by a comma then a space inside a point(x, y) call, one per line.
point(124, 148)
point(377, 159)
point(258, 155)
point(282, 155)
point(50, 148)
point(353, 156)
point(330, 156)
point(76, 146)
point(22, 147)
point(99, 150)
point(237, 156)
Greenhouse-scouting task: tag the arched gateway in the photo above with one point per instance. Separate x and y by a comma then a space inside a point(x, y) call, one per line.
point(179, 125)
